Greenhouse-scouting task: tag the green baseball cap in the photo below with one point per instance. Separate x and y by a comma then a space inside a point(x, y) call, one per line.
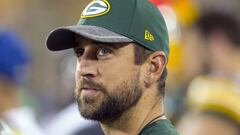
point(115, 21)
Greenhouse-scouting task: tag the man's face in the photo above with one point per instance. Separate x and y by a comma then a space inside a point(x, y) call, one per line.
point(107, 79)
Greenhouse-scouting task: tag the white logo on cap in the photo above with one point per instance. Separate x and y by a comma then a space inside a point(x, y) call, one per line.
point(96, 8)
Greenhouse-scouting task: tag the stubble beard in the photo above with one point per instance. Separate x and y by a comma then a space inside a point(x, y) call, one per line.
point(112, 105)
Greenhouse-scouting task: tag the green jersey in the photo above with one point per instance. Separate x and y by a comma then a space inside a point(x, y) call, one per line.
point(159, 127)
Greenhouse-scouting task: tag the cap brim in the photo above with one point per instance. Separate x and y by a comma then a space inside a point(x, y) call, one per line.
point(64, 37)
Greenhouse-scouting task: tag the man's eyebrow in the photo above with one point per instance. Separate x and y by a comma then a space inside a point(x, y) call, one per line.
point(111, 45)
point(100, 43)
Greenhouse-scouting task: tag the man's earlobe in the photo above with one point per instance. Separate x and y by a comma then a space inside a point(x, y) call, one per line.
point(147, 76)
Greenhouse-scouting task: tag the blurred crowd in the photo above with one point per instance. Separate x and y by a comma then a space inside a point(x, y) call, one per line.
point(203, 85)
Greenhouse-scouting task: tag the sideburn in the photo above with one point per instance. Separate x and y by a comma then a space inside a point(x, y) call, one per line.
point(141, 54)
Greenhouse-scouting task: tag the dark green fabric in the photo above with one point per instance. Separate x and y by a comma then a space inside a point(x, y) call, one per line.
point(160, 127)
point(132, 18)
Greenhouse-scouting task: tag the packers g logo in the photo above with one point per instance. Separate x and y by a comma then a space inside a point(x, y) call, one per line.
point(96, 8)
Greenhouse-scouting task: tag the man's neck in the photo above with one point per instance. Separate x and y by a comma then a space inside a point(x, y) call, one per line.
point(135, 119)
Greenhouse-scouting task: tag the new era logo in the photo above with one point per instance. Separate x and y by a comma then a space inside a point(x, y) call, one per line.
point(149, 36)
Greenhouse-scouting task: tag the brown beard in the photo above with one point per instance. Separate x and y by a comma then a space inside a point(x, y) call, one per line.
point(125, 96)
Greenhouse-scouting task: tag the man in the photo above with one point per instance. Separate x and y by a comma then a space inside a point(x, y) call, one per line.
point(122, 50)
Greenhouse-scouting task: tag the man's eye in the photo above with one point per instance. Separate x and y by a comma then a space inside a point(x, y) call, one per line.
point(104, 51)
point(79, 51)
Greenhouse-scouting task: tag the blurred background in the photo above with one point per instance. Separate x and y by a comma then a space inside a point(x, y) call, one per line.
point(204, 68)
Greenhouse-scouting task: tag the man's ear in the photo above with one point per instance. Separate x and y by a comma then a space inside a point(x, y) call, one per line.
point(156, 63)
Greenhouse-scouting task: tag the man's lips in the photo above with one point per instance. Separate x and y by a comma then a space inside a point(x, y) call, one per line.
point(88, 90)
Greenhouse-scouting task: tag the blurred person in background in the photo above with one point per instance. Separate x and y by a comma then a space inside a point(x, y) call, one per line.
point(14, 62)
point(214, 97)
point(214, 107)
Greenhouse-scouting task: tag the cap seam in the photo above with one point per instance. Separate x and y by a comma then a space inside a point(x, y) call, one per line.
point(133, 17)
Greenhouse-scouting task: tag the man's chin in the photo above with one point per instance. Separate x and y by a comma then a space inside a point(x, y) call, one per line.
point(89, 108)
point(87, 114)
point(90, 114)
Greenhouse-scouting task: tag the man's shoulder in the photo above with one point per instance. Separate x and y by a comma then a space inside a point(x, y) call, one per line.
point(160, 127)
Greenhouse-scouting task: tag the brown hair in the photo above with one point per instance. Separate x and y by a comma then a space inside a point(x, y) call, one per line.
point(141, 55)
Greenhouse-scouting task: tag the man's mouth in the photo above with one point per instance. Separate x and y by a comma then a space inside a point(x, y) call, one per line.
point(89, 91)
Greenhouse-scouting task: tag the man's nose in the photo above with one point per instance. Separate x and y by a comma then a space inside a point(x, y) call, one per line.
point(86, 68)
